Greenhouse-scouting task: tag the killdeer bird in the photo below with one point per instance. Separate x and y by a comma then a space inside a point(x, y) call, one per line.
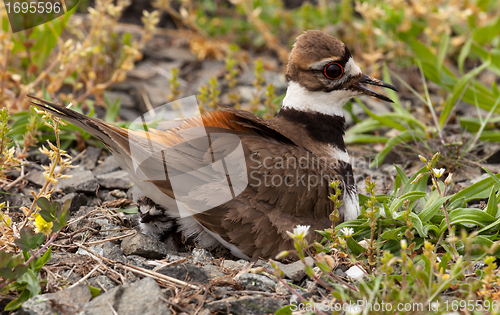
point(280, 181)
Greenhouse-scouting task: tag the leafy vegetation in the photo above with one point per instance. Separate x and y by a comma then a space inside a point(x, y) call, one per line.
point(412, 246)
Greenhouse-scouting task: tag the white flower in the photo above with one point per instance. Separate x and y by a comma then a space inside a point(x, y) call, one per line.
point(438, 172)
point(300, 231)
point(347, 231)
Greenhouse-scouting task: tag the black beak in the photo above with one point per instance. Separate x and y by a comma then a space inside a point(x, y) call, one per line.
point(365, 79)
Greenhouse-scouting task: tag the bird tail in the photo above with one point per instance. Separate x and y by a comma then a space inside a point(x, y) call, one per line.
point(115, 138)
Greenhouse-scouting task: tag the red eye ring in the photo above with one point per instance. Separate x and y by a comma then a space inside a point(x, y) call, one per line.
point(333, 63)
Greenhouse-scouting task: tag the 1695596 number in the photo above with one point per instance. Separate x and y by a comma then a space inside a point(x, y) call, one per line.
point(33, 7)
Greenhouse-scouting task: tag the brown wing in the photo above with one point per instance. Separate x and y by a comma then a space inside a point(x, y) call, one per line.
point(280, 195)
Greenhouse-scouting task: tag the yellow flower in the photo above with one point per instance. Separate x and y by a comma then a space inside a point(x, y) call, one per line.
point(42, 226)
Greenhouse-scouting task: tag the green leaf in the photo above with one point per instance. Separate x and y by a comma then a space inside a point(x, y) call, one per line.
point(46, 215)
point(404, 136)
point(491, 136)
point(402, 175)
point(40, 262)
point(464, 52)
point(352, 224)
point(44, 204)
point(7, 273)
point(393, 95)
point(417, 223)
point(431, 210)
point(492, 207)
point(414, 195)
point(380, 118)
point(423, 52)
point(30, 279)
point(479, 190)
point(5, 259)
point(354, 246)
point(497, 181)
point(431, 227)
point(5, 24)
point(132, 210)
point(20, 270)
point(94, 291)
point(458, 92)
point(391, 234)
point(286, 310)
point(485, 34)
point(443, 48)
point(112, 110)
point(28, 240)
point(470, 215)
point(420, 186)
point(14, 305)
point(364, 138)
point(490, 226)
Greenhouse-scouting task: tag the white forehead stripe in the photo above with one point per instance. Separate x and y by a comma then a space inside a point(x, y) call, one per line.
point(322, 62)
point(352, 68)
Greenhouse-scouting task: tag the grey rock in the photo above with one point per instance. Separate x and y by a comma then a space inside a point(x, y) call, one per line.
point(341, 273)
point(89, 159)
point(82, 223)
point(36, 177)
point(105, 230)
point(213, 271)
point(247, 92)
point(143, 73)
point(139, 261)
point(129, 114)
point(144, 245)
point(295, 271)
point(222, 292)
point(117, 179)
point(81, 180)
point(233, 265)
point(111, 251)
point(256, 282)
point(157, 89)
point(202, 256)
point(282, 289)
point(108, 165)
point(98, 223)
point(16, 199)
point(171, 54)
point(77, 200)
point(118, 193)
point(67, 258)
point(93, 250)
point(186, 272)
point(140, 297)
point(67, 301)
point(249, 305)
point(104, 196)
point(102, 283)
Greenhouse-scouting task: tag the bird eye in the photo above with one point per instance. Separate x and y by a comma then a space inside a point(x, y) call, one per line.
point(333, 71)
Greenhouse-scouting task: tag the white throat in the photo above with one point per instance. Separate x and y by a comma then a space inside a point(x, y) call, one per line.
point(328, 103)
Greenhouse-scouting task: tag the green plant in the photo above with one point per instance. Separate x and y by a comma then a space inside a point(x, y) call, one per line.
point(405, 248)
point(19, 272)
point(232, 80)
